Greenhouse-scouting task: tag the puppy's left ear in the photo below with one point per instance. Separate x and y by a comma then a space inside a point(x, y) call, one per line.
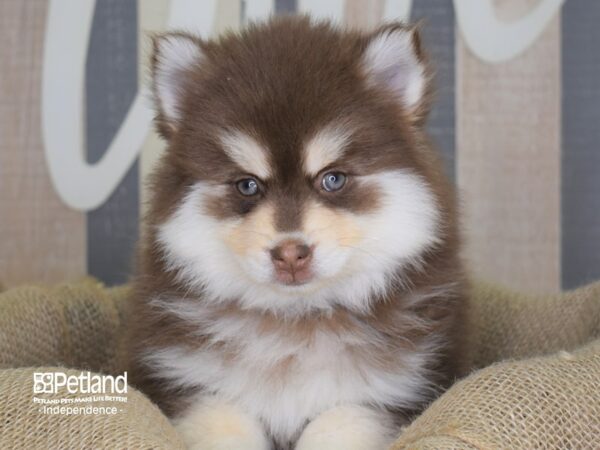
point(394, 61)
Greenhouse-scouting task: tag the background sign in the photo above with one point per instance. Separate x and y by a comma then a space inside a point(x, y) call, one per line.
point(516, 119)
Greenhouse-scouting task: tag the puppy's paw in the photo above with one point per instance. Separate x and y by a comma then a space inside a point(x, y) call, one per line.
point(211, 425)
point(348, 427)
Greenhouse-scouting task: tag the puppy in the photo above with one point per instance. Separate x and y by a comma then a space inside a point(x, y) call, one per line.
point(299, 280)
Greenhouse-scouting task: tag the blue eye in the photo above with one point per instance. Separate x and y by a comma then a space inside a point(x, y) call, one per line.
point(333, 181)
point(247, 187)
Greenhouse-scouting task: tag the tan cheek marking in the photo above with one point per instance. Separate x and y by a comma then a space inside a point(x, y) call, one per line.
point(326, 225)
point(253, 233)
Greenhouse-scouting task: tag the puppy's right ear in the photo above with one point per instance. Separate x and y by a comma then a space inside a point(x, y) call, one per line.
point(394, 61)
point(174, 57)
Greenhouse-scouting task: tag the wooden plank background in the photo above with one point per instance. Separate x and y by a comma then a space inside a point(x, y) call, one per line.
point(581, 143)
point(520, 138)
point(111, 86)
point(41, 239)
point(438, 33)
point(508, 163)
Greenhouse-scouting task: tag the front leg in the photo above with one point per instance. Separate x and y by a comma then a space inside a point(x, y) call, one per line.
point(349, 427)
point(211, 424)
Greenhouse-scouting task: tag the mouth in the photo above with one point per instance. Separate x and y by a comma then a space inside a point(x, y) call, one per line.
point(294, 278)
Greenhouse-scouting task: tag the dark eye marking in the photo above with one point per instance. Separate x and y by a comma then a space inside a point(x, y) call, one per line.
point(248, 187)
point(333, 181)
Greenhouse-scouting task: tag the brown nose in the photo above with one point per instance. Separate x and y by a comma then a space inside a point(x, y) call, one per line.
point(291, 255)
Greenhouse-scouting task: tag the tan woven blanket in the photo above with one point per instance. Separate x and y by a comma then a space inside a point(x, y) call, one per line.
point(544, 395)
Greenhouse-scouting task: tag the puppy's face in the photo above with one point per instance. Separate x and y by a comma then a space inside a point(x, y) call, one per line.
point(295, 179)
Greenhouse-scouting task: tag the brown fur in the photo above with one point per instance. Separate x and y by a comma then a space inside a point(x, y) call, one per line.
point(280, 83)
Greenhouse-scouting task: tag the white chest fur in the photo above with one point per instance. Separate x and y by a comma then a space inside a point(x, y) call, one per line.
point(285, 378)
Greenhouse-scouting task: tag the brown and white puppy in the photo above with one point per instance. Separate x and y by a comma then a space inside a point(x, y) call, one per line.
point(299, 282)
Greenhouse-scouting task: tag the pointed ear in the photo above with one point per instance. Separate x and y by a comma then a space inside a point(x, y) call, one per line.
point(393, 60)
point(174, 56)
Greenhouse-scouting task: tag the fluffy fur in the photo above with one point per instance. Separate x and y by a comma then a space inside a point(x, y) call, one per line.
point(374, 330)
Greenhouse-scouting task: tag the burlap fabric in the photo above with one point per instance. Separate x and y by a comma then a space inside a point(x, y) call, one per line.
point(545, 393)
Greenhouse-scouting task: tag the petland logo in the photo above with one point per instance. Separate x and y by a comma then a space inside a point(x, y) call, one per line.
point(83, 394)
point(84, 383)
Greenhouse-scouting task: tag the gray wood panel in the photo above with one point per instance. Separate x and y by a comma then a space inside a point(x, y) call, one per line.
point(580, 143)
point(111, 85)
point(439, 40)
point(285, 6)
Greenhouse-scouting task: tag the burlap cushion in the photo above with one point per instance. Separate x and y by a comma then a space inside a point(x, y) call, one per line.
point(539, 403)
point(72, 325)
point(550, 401)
